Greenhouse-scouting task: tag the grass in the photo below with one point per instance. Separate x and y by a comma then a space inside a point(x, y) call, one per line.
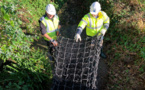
point(126, 34)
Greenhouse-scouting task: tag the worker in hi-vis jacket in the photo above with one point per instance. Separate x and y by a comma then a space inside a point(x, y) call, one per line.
point(96, 21)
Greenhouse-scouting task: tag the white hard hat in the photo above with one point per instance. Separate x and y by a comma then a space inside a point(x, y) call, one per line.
point(50, 9)
point(95, 8)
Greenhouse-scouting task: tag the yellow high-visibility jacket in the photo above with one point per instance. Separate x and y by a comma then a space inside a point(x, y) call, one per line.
point(94, 25)
point(51, 26)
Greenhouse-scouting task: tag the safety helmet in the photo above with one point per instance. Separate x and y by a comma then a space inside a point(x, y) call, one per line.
point(95, 8)
point(50, 9)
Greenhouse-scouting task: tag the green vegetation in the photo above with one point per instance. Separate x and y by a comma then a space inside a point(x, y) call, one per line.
point(30, 69)
point(29, 66)
point(125, 41)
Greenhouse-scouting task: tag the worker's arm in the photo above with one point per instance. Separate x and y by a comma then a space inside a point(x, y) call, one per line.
point(49, 38)
point(83, 23)
point(106, 23)
point(80, 28)
point(59, 26)
point(58, 31)
point(44, 33)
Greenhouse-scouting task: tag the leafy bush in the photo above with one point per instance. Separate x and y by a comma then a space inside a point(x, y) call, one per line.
point(29, 67)
point(31, 72)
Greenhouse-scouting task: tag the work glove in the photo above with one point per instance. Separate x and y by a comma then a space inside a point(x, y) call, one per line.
point(54, 42)
point(103, 31)
point(77, 37)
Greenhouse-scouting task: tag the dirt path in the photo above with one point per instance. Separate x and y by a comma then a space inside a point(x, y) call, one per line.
point(70, 17)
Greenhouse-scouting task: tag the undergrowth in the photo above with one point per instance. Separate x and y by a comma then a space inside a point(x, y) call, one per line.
point(24, 67)
point(125, 44)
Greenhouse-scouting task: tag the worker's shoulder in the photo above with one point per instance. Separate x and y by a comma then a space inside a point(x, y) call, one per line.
point(86, 15)
point(56, 16)
point(42, 18)
point(103, 12)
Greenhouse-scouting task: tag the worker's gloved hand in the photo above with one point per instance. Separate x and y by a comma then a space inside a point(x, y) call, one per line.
point(77, 37)
point(103, 31)
point(54, 42)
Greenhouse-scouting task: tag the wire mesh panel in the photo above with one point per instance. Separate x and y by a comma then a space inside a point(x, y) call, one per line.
point(76, 64)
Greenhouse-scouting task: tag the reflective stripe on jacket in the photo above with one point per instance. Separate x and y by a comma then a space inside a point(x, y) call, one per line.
point(51, 26)
point(94, 25)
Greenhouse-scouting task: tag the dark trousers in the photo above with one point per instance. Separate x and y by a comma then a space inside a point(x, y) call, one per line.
point(50, 55)
point(50, 47)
